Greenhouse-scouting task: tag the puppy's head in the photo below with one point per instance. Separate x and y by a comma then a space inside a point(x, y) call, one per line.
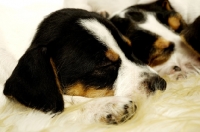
point(78, 53)
point(154, 29)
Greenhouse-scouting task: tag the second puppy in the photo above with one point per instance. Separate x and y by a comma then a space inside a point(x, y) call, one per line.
point(153, 31)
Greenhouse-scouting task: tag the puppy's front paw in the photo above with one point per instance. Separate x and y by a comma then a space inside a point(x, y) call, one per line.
point(119, 113)
point(111, 110)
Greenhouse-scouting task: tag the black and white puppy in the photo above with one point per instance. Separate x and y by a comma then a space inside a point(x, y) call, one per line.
point(79, 53)
point(153, 30)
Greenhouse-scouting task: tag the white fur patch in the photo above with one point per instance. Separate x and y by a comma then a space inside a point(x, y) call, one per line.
point(153, 25)
point(96, 110)
point(182, 56)
point(129, 75)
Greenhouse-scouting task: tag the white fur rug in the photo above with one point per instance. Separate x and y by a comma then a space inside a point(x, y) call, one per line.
point(175, 110)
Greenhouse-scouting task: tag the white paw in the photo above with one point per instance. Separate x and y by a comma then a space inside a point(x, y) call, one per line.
point(109, 110)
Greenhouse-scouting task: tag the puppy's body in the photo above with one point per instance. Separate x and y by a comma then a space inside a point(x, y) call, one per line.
point(78, 53)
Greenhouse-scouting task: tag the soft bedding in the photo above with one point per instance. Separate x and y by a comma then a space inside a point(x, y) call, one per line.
point(176, 109)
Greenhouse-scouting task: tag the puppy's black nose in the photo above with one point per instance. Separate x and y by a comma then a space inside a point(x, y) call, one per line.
point(157, 83)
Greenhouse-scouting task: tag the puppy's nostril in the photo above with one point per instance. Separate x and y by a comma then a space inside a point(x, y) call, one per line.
point(176, 68)
point(157, 83)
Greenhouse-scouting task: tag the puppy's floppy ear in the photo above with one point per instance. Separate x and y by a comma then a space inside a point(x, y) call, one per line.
point(122, 24)
point(33, 83)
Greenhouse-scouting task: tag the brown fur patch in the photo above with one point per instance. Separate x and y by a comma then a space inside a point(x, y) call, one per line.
point(157, 57)
point(161, 43)
point(126, 40)
point(111, 55)
point(56, 75)
point(79, 89)
point(175, 21)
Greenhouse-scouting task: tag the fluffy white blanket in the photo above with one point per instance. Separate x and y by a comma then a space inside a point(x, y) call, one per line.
point(176, 109)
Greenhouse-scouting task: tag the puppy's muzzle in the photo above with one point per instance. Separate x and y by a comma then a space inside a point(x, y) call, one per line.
point(157, 83)
point(154, 82)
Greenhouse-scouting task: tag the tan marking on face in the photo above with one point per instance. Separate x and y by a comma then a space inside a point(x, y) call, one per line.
point(161, 43)
point(81, 90)
point(128, 41)
point(158, 57)
point(56, 75)
point(111, 55)
point(174, 22)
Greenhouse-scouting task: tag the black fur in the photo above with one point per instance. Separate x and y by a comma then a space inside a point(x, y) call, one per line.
point(141, 39)
point(31, 82)
point(192, 34)
point(78, 57)
point(159, 8)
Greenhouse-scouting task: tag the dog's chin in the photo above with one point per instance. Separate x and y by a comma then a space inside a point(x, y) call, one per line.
point(150, 86)
point(179, 66)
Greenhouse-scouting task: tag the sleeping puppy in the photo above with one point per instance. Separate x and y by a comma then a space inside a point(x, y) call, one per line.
point(153, 30)
point(77, 54)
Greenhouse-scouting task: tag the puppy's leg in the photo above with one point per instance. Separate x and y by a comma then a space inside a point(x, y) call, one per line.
point(109, 110)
